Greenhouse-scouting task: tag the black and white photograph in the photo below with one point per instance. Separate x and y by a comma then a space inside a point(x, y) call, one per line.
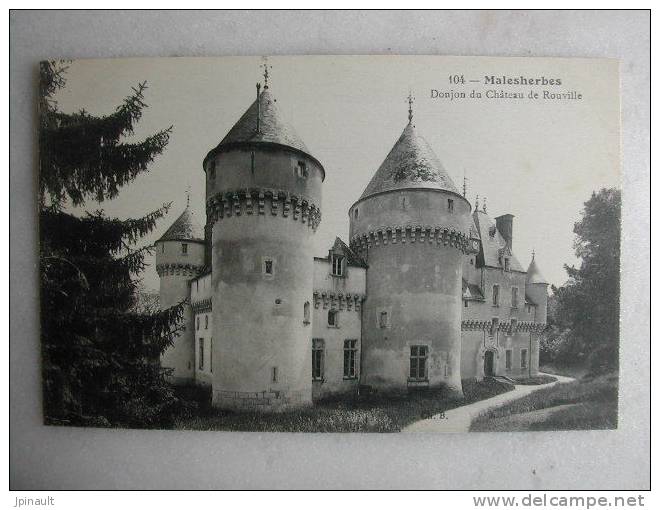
point(330, 244)
point(329, 250)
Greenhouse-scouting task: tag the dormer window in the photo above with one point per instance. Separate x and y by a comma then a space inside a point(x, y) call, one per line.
point(450, 205)
point(301, 170)
point(506, 264)
point(356, 213)
point(184, 249)
point(337, 265)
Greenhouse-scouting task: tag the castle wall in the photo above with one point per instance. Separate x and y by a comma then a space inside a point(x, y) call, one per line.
point(175, 269)
point(413, 246)
point(343, 294)
point(262, 253)
point(200, 297)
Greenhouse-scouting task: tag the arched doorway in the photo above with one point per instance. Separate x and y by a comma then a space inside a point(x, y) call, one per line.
point(489, 364)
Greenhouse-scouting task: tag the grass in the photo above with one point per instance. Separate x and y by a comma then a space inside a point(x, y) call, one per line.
point(535, 380)
point(588, 403)
point(372, 413)
point(576, 371)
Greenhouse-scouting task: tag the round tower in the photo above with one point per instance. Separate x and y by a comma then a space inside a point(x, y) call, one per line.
point(180, 257)
point(263, 196)
point(411, 225)
point(536, 288)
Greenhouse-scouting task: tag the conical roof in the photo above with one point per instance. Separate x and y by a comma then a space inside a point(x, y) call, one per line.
point(410, 164)
point(272, 129)
point(185, 228)
point(534, 274)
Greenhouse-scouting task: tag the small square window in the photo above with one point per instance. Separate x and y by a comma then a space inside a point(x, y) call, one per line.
point(383, 320)
point(523, 358)
point(509, 359)
point(465, 303)
point(496, 295)
point(450, 205)
point(184, 249)
point(333, 318)
point(197, 323)
point(206, 322)
point(268, 266)
point(301, 170)
point(162, 249)
point(273, 374)
point(337, 265)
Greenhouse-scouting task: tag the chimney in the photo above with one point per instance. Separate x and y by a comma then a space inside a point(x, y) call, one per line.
point(505, 226)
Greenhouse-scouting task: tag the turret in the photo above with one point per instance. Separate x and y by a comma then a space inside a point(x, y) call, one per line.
point(263, 196)
point(180, 257)
point(411, 225)
point(536, 288)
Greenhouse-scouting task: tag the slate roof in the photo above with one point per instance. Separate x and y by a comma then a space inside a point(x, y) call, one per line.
point(272, 128)
point(492, 246)
point(534, 274)
point(352, 258)
point(410, 164)
point(472, 291)
point(185, 228)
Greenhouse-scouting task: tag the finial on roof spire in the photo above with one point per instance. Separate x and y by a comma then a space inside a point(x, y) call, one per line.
point(533, 253)
point(411, 99)
point(188, 196)
point(258, 108)
point(485, 205)
point(464, 184)
point(266, 73)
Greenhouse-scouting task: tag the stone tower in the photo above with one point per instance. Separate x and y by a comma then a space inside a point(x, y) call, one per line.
point(263, 197)
point(180, 257)
point(536, 287)
point(411, 225)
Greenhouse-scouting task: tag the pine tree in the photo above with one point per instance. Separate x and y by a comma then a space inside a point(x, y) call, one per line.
point(100, 352)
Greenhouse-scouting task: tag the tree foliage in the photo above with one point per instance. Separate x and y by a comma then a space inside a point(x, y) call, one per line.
point(583, 314)
point(100, 351)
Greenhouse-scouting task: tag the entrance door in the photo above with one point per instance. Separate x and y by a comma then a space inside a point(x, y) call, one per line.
point(489, 360)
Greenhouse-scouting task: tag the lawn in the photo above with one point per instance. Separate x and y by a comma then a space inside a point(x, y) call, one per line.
point(587, 403)
point(535, 380)
point(371, 413)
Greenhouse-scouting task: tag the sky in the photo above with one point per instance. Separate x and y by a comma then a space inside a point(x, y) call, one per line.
point(539, 160)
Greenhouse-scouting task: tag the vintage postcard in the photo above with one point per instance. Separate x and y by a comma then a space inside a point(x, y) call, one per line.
point(330, 243)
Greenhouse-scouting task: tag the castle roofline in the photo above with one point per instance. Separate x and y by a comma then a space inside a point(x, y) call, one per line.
point(185, 228)
point(416, 188)
point(262, 126)
point(410, 164)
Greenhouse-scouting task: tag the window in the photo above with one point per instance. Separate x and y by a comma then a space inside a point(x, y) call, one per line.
point(418, 358)
point(197, 323)
point(184, 249)
point(206, 322)
point(506, 264)
point(465, 303)
point(211, 356)
point(383, 320)
point(496, 295)
point(201, 354)
point(514, 297)
point(495, 323)
point(162, 249)
point(523, 358)
point(268, 266)
point(333, 318)
point(306, 313)
point(356, 213)
point(350, 356)
point(337, 265)
point(509, 356)
point(301, 170)
point(318, 348)
point(450, 205)
point(273, 374)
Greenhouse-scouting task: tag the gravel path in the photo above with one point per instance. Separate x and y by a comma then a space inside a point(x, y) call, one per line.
point(459, 419)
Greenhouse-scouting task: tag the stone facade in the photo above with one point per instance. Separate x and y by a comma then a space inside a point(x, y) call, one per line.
point(429, 292)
